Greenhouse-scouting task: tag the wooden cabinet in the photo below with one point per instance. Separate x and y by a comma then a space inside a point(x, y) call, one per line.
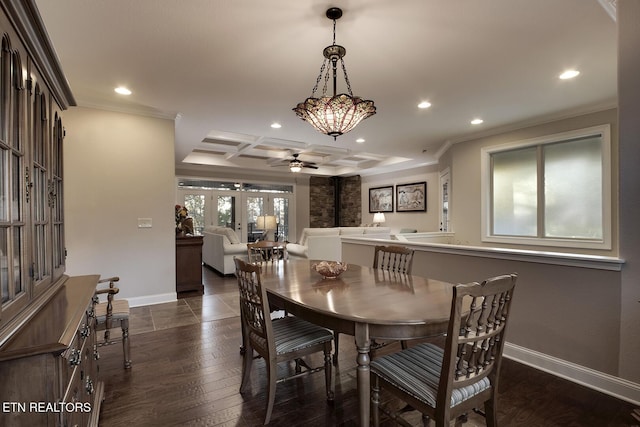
point(189, 264)
point(33, 94)
point(48, 354)
point(49, 367)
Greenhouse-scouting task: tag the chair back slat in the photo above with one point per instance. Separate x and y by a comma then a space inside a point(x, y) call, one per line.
point(475, 338)
point(398, 259)
point(254, 254)
point(254, 306)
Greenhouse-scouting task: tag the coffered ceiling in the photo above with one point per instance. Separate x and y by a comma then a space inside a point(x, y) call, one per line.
point(226, 70)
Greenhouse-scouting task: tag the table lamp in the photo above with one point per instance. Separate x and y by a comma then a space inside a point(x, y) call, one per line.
point(267, 223)
point(378, 218)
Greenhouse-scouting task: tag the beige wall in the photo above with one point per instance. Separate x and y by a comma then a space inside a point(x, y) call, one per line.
point(422, 221)
point(118, 168)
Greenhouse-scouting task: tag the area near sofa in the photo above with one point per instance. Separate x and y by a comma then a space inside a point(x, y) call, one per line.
point(221, 244)
point(325, 243)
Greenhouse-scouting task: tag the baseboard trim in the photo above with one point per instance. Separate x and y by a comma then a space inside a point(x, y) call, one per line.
point(152, 299)
point(605, 383)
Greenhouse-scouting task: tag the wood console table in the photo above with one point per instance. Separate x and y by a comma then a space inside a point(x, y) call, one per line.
point(189, 264)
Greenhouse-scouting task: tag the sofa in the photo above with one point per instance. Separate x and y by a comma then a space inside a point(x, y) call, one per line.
point(219, 246)
point(325, 243)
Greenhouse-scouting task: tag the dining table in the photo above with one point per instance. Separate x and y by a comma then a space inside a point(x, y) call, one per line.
point(363, 302)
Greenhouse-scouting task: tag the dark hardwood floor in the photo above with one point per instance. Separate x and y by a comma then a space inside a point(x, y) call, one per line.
point(189, 375)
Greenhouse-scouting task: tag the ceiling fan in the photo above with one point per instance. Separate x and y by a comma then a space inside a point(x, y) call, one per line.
point(296, 165)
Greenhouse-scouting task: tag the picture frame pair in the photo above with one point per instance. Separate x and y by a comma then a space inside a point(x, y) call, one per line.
point(408, 198)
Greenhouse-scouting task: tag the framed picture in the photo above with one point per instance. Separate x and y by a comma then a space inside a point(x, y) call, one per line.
point(411, 197)
point(381, 199)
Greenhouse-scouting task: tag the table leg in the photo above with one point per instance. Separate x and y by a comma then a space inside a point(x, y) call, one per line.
point(363, 372)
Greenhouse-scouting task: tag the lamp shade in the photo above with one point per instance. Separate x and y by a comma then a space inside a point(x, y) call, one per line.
point(266, 222)
point(378, 218)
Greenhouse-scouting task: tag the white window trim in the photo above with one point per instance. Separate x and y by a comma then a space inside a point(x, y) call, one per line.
point(486, 196)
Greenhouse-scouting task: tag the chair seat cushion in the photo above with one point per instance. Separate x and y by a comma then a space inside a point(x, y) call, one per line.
point(416, 371)
point(120, 310)
point(292, 334)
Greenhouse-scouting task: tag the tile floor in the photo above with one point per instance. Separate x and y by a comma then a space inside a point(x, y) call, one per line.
point(184, 311)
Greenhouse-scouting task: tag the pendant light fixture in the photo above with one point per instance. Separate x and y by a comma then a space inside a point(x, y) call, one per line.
point(337, 114)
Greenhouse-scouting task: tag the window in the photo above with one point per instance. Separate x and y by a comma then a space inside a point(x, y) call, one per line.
point(551, 191)
point(195, 206)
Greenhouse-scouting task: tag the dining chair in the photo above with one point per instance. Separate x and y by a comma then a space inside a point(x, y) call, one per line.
point(110, 314)
point(393, 258)
point(284, 339)
point(254, 254)
point(446, 383)
point(264, 250)
point(398, 259)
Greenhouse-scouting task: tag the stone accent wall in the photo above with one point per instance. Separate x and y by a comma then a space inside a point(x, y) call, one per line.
point(350, 201)
point(322, 203)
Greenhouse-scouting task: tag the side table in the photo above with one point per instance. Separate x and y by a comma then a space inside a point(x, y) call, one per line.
point(189, 264)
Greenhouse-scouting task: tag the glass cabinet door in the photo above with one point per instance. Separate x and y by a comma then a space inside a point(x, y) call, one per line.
point(32, 253)
point(39, 190)
point(13, 211)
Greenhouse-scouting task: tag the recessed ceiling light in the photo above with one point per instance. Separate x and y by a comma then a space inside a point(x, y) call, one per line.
point(424, 104)
point(123, 90)
point(276, 125)
point(360, 140)
point(569, 74)
point(477, 121)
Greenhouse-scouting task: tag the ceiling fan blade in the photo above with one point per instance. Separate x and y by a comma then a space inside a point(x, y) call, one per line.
point(280, 163)
point(309, 165)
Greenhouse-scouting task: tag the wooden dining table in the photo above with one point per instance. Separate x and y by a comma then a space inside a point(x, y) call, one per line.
point(363, 302)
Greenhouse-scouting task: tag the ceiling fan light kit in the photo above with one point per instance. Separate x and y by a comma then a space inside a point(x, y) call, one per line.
point(295, 166)
point(340, 113)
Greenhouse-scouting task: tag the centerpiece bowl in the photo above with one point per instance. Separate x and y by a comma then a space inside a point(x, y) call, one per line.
point(330, 269)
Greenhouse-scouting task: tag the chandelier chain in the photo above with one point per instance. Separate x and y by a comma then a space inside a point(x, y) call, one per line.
point(326, 80)
point(315, 88)
point(334, 31)
point(346, 77)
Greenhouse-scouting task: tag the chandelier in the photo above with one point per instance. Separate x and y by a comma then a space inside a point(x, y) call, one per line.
point(340, 113)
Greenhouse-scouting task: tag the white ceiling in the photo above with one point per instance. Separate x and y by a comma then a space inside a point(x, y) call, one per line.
point(227, 69)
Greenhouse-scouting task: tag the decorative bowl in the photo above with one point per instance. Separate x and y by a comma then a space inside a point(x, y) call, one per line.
point(330, 269)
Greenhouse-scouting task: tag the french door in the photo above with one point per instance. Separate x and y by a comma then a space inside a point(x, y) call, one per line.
point(239, 210)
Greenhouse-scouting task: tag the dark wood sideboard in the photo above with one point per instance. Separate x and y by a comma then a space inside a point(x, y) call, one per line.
point(48, 365)
point(189, 264)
